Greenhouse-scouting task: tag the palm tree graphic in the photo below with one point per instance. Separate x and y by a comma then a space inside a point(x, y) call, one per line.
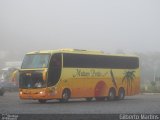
point(113, 79)
point(129, 76)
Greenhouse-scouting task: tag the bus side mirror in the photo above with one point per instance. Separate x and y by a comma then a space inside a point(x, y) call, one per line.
point(44, 74)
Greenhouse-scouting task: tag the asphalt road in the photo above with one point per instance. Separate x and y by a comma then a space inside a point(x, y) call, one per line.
point(146, 103)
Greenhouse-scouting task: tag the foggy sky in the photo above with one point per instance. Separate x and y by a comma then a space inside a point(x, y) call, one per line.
point(108, 25)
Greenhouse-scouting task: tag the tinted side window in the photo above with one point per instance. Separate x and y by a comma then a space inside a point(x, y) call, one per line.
point(100, 61)
point(54, 71)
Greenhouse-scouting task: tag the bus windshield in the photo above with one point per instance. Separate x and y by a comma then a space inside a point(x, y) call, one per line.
point(35, 61)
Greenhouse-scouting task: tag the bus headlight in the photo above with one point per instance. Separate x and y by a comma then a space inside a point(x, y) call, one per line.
point(20, 92)
point(42, 92)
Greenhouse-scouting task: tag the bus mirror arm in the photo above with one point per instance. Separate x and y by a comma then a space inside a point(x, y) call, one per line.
point(44, 74)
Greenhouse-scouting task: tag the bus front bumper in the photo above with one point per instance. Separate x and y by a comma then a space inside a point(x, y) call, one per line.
point(36, 96)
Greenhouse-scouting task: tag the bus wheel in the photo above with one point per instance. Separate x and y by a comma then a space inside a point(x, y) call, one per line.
point(42, 101)
point(121, 94)
point(100, 98)
point(65, 96)
point(89, 99)
point(111, 95)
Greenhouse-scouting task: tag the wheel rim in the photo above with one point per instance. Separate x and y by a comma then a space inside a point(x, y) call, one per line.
point(65, 95)
point(121, 95)
point(111, 95)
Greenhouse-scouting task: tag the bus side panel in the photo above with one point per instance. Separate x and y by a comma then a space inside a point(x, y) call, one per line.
point(82, 82)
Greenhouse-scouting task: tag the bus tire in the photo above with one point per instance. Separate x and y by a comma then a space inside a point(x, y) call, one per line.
point(111, 94)
point(121, 94)
point(89, 99)
point(100, 98)
point(42, 101)
point(65, 96)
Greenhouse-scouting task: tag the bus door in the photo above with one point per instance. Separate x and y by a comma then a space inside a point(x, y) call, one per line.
point(55, 68)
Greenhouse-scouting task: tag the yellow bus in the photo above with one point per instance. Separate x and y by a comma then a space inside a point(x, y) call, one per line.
point(71, 73)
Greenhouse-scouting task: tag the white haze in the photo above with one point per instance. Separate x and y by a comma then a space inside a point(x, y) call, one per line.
point(108, 25)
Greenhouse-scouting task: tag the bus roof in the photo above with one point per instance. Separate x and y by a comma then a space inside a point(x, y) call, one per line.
point(77, 51)
point(68, 50)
